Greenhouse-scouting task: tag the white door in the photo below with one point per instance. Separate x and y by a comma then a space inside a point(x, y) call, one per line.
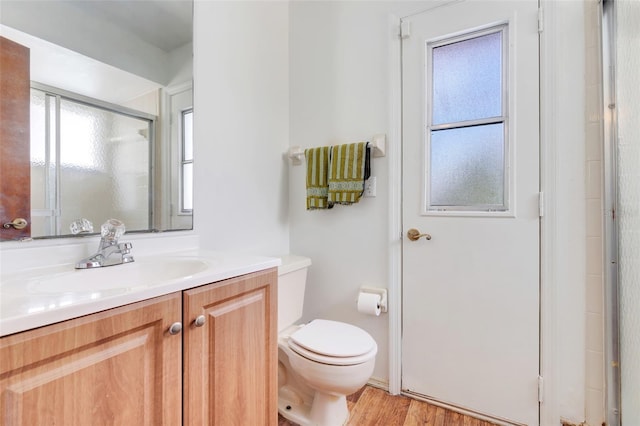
point(471, 181)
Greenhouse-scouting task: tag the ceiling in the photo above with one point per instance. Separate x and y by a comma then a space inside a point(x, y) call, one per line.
point(166, 24)
point(149, 38)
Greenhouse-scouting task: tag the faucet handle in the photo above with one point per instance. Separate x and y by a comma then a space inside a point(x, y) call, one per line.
point(125, 248)
point(79, 226)
point(112, 229)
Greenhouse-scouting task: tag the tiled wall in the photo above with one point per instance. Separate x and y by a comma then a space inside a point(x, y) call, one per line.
point(595, 383)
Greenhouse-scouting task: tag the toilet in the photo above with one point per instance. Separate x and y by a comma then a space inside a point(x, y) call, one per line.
point(319, 363)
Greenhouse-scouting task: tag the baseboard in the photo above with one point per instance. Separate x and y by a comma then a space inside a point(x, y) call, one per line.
point(379, 383)
point(568, 423)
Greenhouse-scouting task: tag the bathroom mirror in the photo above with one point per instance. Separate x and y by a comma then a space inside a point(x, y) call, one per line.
point(111, 112)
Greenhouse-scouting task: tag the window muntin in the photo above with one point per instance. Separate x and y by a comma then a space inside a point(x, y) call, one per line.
point(466, 136)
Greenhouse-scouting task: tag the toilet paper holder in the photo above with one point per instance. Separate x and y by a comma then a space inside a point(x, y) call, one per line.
point(382, 292)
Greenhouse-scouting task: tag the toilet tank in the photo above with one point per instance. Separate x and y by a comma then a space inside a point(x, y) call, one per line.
point(292, 278)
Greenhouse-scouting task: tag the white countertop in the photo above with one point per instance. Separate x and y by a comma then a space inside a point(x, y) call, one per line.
point(36, 297)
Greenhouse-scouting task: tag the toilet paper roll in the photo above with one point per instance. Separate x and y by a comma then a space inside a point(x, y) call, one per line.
point(369, 303)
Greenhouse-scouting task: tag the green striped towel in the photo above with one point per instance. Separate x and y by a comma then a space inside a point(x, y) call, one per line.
point(317, 183)
point(348, 169)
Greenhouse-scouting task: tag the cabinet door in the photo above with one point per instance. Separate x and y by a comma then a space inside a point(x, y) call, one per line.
point(15, 163)
point(118, 367)
point(231, 360)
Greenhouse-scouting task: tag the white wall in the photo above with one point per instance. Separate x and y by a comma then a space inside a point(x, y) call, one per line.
point(241, 99)
point(270, 74)
point(340, 92)
point(181, 60)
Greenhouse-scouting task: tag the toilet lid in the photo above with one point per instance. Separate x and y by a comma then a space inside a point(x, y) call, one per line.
point(332, 360)
point(333, 339)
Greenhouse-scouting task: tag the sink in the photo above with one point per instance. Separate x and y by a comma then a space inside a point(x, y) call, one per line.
point(38, 289)
point(139, 274)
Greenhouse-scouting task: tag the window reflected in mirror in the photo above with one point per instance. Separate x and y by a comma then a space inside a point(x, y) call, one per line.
point(186, 184)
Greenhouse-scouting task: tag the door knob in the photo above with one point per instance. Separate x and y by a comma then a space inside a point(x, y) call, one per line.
point(17, 223)
point(414, 235)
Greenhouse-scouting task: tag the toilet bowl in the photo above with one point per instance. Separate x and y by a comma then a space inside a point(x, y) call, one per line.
point(319, 363)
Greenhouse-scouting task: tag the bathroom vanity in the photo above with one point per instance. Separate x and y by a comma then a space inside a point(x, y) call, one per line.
point(195, 353)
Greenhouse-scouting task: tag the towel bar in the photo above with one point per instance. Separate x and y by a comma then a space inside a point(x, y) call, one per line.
point(378, 145)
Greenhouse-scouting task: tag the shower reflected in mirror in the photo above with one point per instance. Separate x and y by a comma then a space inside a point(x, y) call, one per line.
point(111, 113)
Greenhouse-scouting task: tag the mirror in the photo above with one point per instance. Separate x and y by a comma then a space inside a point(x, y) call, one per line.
point(111, 111)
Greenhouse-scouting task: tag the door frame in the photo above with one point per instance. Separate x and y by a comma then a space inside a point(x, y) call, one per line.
point(550, 123)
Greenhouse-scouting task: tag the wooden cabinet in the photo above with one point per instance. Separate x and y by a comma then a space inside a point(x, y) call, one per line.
point(106, 368)
point(231, 360)
point(123, 367)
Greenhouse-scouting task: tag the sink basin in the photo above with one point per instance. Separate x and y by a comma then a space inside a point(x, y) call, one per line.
point(141, 273)
point(35, 291)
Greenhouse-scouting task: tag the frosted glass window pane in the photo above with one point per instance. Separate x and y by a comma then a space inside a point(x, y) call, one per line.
point(187, 186)
point(467, 79)
point(467, 166)
point(38, 127)
point(38, 153)
point(627, 63)
point(83, 135)
point(43, 163)
point(105, 162)
point(187, 128)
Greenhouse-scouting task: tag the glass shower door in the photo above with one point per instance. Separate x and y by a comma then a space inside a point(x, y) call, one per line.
point(622, 141)
point(628, 160)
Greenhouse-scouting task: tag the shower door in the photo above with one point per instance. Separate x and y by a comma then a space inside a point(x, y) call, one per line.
point(471, 180)
point(622, 112)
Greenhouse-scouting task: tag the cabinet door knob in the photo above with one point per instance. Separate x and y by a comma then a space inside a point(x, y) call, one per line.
point(175, 328)
point(199, 321)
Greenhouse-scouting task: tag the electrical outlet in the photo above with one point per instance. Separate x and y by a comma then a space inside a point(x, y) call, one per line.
point(370, 187)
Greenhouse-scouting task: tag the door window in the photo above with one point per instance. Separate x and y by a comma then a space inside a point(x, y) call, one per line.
point(467, 138)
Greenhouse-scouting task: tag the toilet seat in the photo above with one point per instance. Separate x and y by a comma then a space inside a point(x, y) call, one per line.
point(333, 343)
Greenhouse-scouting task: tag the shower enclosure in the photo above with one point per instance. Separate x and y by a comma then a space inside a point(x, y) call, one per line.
point(621, 42)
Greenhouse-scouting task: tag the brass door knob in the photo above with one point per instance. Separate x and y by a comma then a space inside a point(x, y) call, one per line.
point(17, 223)
point(414, 235)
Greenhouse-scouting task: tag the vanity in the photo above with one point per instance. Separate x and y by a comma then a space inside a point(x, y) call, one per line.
point(176, 336)
point(182, 338)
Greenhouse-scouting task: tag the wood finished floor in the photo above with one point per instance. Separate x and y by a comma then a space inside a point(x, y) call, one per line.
point(375, 407)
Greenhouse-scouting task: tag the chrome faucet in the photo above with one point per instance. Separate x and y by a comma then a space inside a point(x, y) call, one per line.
point(110, 252)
